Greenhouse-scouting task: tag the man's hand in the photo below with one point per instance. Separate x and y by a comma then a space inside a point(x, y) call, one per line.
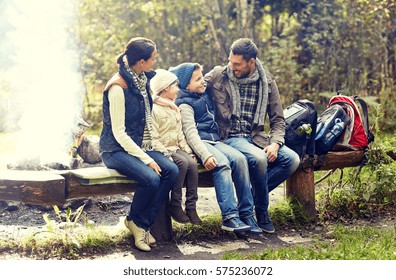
point(272, 151)
point(154, 166)
point(210, 163)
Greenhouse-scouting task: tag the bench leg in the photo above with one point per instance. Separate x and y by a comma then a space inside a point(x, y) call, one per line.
point(162, 227)
point(300, 186)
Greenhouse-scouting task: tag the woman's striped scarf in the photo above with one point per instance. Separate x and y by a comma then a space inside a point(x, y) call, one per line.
point(140, 81)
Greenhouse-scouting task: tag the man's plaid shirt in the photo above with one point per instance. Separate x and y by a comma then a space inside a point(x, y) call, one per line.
point(242, 126)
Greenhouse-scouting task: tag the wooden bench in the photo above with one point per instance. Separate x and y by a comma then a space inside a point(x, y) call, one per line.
point(55, 187)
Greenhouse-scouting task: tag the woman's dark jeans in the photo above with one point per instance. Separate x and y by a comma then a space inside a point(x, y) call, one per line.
point(153, 190)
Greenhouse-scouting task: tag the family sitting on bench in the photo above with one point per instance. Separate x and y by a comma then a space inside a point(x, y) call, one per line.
point(157, 125)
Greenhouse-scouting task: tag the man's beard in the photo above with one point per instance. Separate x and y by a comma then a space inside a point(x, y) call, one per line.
point(243, 75)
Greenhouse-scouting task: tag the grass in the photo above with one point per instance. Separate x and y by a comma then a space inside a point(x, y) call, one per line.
point(333, 242)
point(83, 241)
point(344, 243)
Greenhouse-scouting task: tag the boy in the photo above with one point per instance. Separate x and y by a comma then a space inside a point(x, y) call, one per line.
point(228, 166)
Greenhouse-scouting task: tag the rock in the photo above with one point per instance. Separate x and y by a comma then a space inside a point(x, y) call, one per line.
point(13, 206)
point(89, 149)
point(3, 204)
point(76, 203)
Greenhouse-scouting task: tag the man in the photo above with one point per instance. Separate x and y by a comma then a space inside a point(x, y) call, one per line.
point(244, 92)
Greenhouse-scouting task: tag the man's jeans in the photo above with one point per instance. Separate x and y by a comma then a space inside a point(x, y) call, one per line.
point(232, 170)
point(153, 190)
point(265, 176)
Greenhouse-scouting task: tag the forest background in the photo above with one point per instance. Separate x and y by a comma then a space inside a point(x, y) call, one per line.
point(314, 48)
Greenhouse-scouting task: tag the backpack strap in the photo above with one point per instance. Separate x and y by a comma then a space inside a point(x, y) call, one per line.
point(311, 140)
point(365, 119)
point(365, 112)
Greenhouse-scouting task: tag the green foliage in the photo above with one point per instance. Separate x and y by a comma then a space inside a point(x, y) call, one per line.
point(338, 54)
point(362, 193)
point(65, 229)
point(282, 58)
point(344, 243)
point(283, 214)
point(211, 228)
point(310, 46)
point(288, 213)
point(388, 101)
point(66, 238)
point(91, 241)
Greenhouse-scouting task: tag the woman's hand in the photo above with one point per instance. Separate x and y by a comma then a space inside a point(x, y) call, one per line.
point(154, 166)
point(210, 163)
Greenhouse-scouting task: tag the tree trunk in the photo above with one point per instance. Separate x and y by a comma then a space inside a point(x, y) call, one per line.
point(217, 27)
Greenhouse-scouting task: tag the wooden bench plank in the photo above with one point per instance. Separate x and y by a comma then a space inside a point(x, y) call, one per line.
point(101, 181)
point(333, 160)
point(32, 187)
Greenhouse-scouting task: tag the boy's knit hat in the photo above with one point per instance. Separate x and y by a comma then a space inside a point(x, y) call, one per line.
point(162, 80)
point(184, 72)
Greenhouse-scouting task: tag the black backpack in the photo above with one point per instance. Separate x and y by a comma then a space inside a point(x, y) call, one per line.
point(301, 119)
point(331, 124)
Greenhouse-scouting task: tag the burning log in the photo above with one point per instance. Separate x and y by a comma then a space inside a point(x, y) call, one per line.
point(78, 138)
point(36, 165)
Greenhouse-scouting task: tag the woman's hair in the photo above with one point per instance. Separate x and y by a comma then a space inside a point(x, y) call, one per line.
point(137, 48)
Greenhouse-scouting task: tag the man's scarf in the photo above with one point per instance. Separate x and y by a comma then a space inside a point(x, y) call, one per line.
point(260, 75)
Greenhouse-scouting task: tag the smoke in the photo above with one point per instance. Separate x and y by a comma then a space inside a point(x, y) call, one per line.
point(44, 79)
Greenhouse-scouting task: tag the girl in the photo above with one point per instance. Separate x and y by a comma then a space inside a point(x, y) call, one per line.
point(168, 138)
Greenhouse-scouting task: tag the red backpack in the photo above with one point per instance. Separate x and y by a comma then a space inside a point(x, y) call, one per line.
point(357, 134)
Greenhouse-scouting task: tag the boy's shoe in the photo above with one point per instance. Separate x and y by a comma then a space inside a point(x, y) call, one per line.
point(234, 224)
point(193, 216)
point(139, 234)
point(254, 228)
point(265, 223)
point(178, 214)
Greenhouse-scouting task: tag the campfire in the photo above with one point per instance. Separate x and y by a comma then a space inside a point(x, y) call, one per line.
point(84, 151)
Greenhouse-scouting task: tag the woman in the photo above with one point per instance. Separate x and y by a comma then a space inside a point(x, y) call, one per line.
point(125, 140)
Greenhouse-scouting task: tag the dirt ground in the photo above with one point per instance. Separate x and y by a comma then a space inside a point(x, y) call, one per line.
point(18, 220)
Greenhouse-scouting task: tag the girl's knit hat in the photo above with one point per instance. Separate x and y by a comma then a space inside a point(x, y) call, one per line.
point(184, 72)
point(161, 80)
